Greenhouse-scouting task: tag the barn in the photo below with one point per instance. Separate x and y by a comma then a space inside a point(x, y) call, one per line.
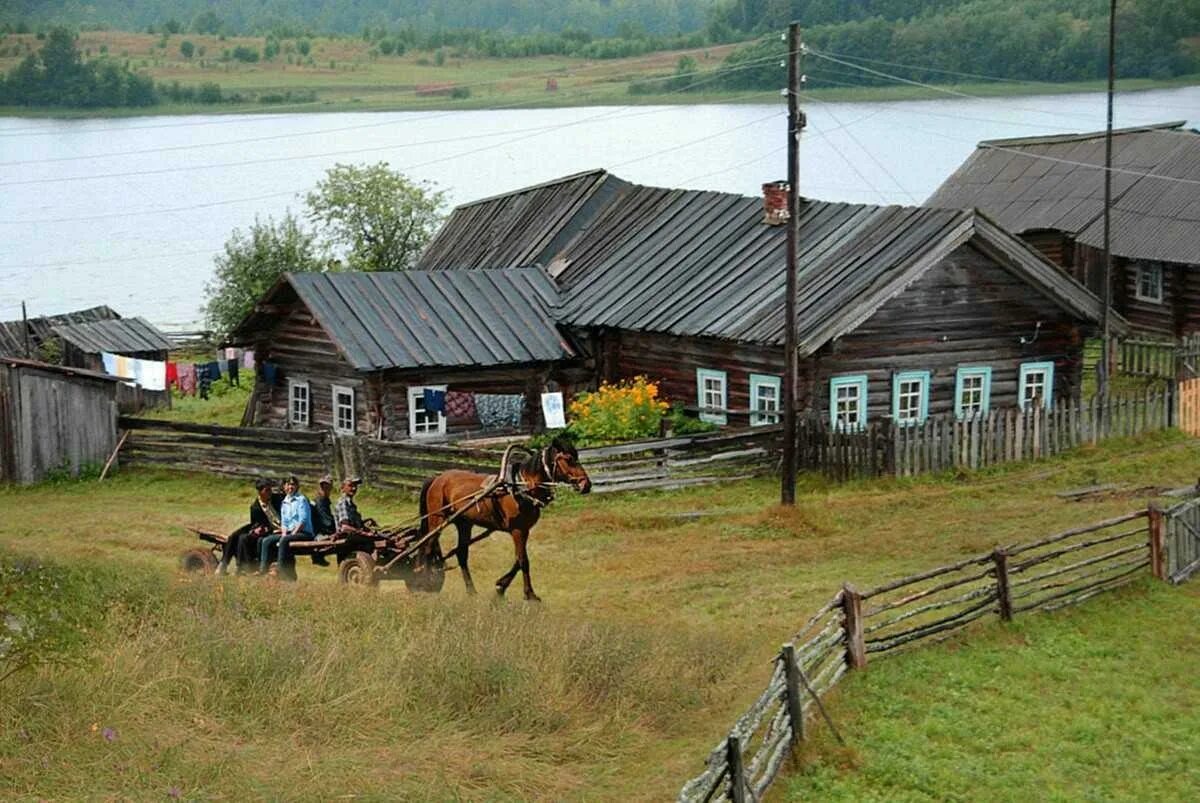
point(1050, 191)
point(903, 312)
point(407, 354)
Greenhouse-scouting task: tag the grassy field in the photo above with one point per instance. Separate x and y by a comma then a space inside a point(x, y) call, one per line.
point(662, 612)
point(346, 75)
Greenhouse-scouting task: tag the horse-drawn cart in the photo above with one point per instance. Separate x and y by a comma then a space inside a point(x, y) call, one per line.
point(388, 555)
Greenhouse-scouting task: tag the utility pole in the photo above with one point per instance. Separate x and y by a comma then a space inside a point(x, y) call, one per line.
point(25, 330)
point(1106, 359)
point(795, 125)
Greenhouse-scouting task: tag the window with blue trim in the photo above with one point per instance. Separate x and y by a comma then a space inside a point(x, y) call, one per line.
point(910, 397)
point(1036, 384)
point(710, 395)
point(848, 401)
point(765, 399)
point(972, 391)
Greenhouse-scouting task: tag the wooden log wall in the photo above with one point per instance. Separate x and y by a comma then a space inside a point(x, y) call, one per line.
point(856, 627)
point(53, 421)
point(966, 311)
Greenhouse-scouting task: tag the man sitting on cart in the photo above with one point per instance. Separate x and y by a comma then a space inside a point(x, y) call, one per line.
point(350, 522)
point(296, 517)
point(242, 546)
point(324, 524)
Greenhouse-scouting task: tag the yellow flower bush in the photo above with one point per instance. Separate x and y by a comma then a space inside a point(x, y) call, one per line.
point(627, 410)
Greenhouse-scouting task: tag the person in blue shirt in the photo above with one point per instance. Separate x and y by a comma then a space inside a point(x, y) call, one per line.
point(295, 515)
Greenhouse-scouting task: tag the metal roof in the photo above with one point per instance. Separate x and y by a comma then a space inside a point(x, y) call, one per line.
point(1057, 183)
point(694, 263)
point(519, 228)
point(121, 336)
point(41, 327)
point(410, 319)
point(18, 362)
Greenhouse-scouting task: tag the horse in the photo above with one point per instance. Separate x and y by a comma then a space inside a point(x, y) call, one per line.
point(514, 506)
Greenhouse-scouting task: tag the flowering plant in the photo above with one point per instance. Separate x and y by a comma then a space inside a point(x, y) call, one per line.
point(626, 410)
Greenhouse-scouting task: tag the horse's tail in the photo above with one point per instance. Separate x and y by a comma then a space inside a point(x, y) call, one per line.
point(423, 506)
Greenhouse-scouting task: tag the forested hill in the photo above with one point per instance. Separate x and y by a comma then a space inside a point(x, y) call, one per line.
point(597, 17)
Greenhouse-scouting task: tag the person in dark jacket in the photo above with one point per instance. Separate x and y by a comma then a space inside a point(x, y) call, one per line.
point(324, 525)
point(242, 546)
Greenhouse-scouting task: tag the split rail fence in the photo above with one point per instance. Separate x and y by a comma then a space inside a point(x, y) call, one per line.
point(1063, 569)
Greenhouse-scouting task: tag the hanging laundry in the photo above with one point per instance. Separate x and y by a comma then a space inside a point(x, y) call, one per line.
point(204, 378)
point(460, 405)
point(110, 363)
point(499, 411)
point(214, 371)
point(248, 358)
point(187, 378)
point(231, 372)
point(124, 368)
point(435, 401)
point(172, 375)
point(151, 374)
point(231, 353)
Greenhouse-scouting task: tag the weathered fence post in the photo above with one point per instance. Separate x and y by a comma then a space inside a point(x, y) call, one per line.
point(737, 774)
point(791, 674)
point(856, 648)
point(1158, 562)
point(1003, 597)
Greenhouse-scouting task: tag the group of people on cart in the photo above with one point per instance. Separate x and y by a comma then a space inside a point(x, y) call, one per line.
point(278, 520)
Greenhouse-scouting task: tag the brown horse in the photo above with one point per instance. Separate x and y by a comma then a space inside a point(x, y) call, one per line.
point(513, 507)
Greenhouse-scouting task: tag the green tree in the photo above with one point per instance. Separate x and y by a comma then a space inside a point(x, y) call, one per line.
point(187, 48)
point(251, 263)
point(380, 217)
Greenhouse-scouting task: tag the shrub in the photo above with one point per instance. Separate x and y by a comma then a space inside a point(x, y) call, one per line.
point(683, 424)
point(625, 411)
point(460, 92)
point(245, 54)
point(187, 48)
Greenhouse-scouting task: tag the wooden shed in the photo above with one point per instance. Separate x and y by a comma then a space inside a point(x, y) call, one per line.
point(902, 312)
point(355, 352)
point(1050, 191)
point(53, 419)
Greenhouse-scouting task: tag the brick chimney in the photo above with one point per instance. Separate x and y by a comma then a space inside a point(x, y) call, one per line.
point(775, 203)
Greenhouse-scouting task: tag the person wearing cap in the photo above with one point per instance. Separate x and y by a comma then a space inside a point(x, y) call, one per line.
point(242, 546)
point(324, 524)
point(349, 521)
point(296, 517)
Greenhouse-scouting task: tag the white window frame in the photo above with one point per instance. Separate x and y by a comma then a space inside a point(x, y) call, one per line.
point(295, 420)
point(338, 408)
point(1154, 270)
point(415, 392)
point(1045, 368)
point(858, 381)
point(982, 372)
point(765, 416)
point(706, 414)
point(898, 380)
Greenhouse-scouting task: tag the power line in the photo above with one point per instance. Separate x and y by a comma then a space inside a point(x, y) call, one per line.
point(683, 145)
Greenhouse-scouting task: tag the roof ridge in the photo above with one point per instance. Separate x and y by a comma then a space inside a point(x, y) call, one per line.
point(596, 171)
point(1052, 139)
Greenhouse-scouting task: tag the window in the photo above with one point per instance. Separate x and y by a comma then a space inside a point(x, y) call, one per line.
point(422, 422)
point(710, 395)
point(766, 398)
point(972, 391)
point(298, 403)
point(343, 410)
point(1037, 382)
point(1149, 283)
point(910, 397)
point(848, 401)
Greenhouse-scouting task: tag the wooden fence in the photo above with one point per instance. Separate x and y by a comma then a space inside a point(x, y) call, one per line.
point(1189, 406)
point(1182, 535)
point(1063, 569)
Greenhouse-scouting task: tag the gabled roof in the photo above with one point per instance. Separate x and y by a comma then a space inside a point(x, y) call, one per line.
point(1057, 183)
point(121, 336)
point(12, 333)
point(520, 228)
point(703, 264)
point(411, 319)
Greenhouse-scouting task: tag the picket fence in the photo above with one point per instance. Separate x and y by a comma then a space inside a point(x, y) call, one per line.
point(1063, 569)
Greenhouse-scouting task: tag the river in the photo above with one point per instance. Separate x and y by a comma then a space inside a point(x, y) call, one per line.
point(130, 212)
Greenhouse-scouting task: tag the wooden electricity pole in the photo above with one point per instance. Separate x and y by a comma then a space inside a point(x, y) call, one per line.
point(794, 126)
point(1106, 359)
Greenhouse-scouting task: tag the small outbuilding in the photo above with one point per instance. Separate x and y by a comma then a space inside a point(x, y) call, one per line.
point(84, 342)
point(54, 419)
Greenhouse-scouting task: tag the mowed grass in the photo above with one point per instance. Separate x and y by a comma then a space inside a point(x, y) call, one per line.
point(661, 613)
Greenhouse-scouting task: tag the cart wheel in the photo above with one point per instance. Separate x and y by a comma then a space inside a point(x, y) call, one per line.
point(198, 561)
point(358, 570)
point(427, 575)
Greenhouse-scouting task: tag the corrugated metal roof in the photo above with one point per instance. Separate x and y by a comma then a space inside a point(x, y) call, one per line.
point(410, 319)
point(122, 336)
point(693, 263)
point(517, 229)
point(12, 333)
point(1054, 183)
